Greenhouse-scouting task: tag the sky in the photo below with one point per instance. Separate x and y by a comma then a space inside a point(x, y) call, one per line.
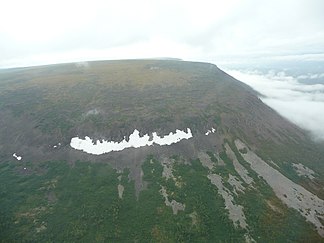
point(37, 32)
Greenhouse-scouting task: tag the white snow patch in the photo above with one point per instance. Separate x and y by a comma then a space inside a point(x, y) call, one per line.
point(16, 156)
point(135, 141)
point(57, 145)
point(213, 130)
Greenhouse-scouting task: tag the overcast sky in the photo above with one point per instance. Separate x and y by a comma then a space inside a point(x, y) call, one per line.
point(41, 31)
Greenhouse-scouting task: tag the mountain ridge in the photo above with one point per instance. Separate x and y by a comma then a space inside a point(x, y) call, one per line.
point(43, 108)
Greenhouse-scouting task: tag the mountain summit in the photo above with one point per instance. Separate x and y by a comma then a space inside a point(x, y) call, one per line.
point(151, 150)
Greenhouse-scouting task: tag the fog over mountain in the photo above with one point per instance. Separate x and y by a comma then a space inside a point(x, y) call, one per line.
point(300, 102)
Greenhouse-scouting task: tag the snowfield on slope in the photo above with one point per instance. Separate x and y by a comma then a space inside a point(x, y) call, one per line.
point(135, 140)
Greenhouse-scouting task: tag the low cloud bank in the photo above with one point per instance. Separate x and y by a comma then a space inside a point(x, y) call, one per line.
point(301, 103)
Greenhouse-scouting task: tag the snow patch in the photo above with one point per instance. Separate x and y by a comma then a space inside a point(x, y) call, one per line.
point(16, 156)
point(213, 130)
point(135, 141)
point(57, 145)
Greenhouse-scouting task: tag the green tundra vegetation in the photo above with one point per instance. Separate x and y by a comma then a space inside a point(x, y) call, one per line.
point(81, 203)
point(65, 195)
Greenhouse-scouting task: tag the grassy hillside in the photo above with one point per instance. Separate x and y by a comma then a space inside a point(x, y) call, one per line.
point(81, 203)
point(58, 194)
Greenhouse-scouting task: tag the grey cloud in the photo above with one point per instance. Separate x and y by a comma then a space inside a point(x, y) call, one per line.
point(209, 30)
point(311, 76)
point(301, 103)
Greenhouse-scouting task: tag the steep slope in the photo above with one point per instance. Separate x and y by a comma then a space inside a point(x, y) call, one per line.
point(47, 112)
point(108, 100)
